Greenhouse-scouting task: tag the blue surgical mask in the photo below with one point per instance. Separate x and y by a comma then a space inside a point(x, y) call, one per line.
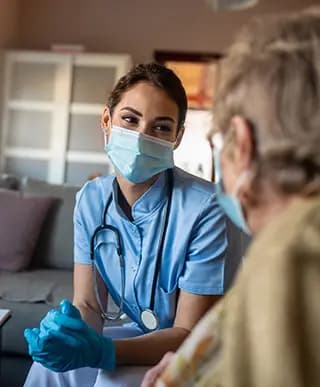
point(137, 156)
point(229, 202)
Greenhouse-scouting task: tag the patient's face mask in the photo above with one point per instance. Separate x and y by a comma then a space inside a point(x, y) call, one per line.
point(137, 156)
point(229, 202)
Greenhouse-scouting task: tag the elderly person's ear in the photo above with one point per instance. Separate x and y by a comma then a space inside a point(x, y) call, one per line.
point(243, 142)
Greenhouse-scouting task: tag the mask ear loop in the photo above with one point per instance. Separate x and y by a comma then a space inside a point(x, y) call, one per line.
point(247, 174)
point(105, 130)
point(105, 136)
point(241, 179)
point(218, 143)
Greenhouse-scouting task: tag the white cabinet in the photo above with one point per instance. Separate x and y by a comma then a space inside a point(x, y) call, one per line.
point(51, 113)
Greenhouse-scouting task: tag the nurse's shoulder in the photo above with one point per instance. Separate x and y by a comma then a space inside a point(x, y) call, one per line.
point(191, 187)
point(95, 191)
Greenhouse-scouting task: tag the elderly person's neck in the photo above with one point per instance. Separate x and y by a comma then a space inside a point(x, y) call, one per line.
point(267, 206)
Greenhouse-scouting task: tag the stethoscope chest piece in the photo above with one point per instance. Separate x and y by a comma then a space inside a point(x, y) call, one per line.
point(149, 320)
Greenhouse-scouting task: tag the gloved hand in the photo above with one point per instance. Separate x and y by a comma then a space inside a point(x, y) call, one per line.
point(65, 342)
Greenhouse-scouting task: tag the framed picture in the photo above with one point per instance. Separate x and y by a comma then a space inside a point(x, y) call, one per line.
point(198, 73)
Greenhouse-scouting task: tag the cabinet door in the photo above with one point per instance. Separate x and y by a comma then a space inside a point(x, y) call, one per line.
point(51, 117)
point(35, 113)
point(92, 81)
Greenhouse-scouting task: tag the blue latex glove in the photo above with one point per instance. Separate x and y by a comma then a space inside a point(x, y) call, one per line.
point(65, 342)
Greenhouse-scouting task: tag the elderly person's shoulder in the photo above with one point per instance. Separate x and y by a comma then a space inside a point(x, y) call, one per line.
point(273, 309)
point(294, 235)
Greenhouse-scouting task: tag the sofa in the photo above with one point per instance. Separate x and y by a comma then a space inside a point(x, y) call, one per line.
point(30, 288)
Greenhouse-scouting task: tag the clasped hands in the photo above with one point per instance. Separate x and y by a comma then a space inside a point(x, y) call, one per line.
point(65, 342)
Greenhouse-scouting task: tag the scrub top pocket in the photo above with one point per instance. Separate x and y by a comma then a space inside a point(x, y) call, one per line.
point(165, 306)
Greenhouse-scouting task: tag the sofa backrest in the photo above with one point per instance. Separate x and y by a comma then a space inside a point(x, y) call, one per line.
point(55, 246)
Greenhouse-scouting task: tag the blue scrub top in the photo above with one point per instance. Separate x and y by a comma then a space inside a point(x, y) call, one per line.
point(194, 248)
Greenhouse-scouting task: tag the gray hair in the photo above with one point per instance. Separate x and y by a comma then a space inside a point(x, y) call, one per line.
point(271, 77)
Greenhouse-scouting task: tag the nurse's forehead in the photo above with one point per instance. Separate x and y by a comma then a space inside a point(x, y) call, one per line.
point(144, 95)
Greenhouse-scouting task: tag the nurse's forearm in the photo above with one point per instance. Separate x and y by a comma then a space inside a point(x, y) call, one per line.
point(90, 316)
point(148, 349)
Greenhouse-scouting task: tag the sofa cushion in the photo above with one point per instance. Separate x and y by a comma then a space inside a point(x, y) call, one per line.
point(53, 286)
point(48, 286)
point(28, 286)
point(55, 246)
point(26, 313)
point(21, 218)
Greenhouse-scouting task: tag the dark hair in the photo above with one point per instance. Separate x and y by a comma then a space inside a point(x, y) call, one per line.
point(159, 76)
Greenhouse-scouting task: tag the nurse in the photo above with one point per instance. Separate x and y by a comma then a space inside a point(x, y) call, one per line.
point(155, 237)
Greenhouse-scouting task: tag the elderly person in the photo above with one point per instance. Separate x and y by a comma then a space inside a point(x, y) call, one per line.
point(266, 332)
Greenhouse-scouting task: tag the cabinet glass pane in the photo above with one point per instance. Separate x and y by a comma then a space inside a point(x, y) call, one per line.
point(85, 133)
point(29, 129)
point(33, 81)
point(92, 84)
point(79, 173)
point(37, 169)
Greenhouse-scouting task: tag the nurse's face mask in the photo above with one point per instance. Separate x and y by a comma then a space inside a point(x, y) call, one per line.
point(138, 156)
point(229, 202)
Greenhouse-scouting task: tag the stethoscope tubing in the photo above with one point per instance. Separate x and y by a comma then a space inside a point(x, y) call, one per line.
point(162, 238)
point(104, 226)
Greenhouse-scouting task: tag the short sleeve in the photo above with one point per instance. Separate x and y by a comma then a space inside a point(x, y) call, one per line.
point(204, 268)
point(81, 232)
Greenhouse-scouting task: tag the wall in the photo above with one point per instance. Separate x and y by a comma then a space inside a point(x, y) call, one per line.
point(9, 18)
point(136, 26)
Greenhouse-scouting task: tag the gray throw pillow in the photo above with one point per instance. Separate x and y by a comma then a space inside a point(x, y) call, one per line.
point(21, 218)
point(55, 247)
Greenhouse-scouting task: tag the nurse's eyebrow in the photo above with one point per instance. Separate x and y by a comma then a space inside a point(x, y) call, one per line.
point(132, 110)
point(160, 118)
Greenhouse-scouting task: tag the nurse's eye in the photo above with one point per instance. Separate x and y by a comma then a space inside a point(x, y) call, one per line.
point(130, 119)
point(162, 128)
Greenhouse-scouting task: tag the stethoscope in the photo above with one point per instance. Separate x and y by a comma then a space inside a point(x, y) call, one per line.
point(148, 316)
